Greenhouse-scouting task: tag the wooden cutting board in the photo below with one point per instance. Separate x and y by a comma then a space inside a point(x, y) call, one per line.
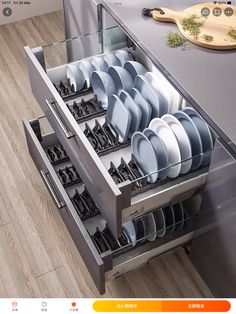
point(215, 21)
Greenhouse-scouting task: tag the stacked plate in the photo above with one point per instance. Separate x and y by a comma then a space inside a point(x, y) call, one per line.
point(149, 227)
point(137, 96)
point(80, 73)
point(173, 145)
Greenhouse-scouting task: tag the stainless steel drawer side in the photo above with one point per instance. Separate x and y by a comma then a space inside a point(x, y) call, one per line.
point(82, 240)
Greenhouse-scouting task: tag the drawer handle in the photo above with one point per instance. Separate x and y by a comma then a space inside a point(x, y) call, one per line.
point(45, 175)
point(67, 133)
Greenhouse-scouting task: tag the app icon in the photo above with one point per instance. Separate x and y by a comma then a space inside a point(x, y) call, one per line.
point(229, 11)
point(7, 12)
point(73, 304)
point(14, 304)
point(217, 11)
point(44, 304)
point(205, 11)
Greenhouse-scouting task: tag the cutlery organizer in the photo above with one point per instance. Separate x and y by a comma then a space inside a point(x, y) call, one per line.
point(84, 218)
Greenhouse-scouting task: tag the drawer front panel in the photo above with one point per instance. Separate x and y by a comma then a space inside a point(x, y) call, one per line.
point(81, 238)
point(92, 171)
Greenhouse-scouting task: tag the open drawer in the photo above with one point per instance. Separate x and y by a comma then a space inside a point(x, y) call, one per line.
point(118, 201)
point(107, 263)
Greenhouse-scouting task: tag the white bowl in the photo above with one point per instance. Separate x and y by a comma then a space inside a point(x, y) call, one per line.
point(75, 77)
point(103, 87)
point(121, 78)
point(135, 68)
point(87, 68)
point(99, 64)
point(123, 56)
point(111, 59)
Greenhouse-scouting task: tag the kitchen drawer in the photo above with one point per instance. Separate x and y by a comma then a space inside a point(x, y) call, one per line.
point(109, 264)
point(118, 202)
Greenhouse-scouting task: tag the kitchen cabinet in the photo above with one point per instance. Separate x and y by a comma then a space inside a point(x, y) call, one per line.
point(117, 202)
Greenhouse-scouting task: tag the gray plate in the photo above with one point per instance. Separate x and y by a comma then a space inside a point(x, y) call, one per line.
point(205, 133)
point(194, 137)
point(150, 226)
point(144, 107)
point(135, 68)
point(134, 110)
point(179, 216)
point(145, 88)
point(140, 229)
point(130, 231)
point(160, 151)
point(119, 117)
point(160, 222)
point(145, 155)
point(169, 218)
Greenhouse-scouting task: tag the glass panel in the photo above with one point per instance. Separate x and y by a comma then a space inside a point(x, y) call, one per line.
point(196, 162)
point(81, 47)
point(158, 225)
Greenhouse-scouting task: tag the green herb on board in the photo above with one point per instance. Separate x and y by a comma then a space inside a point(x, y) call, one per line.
point(232, 34)
point(175, 39)
point(193, 25)
point(207, 37)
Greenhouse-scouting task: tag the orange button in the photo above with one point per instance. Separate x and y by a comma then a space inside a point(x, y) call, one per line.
point(161, 306)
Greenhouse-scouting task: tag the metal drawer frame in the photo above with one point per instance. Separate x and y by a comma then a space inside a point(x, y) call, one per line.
point(92, 259)
point(115, 201)
point(102, 267)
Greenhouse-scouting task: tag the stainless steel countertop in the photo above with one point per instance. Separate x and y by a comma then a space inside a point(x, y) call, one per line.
point(206, 77)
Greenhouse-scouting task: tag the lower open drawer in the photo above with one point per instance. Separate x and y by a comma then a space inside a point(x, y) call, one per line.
point(63, 182)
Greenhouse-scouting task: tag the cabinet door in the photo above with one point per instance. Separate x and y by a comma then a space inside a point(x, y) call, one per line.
point(213, 249)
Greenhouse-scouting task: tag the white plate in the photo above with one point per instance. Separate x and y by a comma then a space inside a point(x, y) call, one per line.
point(75, 77)
point(130, 231)
point(135, 68)
point(123, 56)
point(111, 59)
point(145, 156)
point(147, 91)
point(194, 137)
point(134, 111)
point(164, 131)
point(183, 141)
point(121, 78)
point(144, 107)
point(119, 117)
point(103, 87)
point(162, 91)
point(150, 226)
point(99, 64)
point(87, 68)
point(177, 99)
point(161, 152)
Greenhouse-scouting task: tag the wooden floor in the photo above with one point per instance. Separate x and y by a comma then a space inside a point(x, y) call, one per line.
point(37, 256)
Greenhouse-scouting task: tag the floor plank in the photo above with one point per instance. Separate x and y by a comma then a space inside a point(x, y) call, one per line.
point(16, 276)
